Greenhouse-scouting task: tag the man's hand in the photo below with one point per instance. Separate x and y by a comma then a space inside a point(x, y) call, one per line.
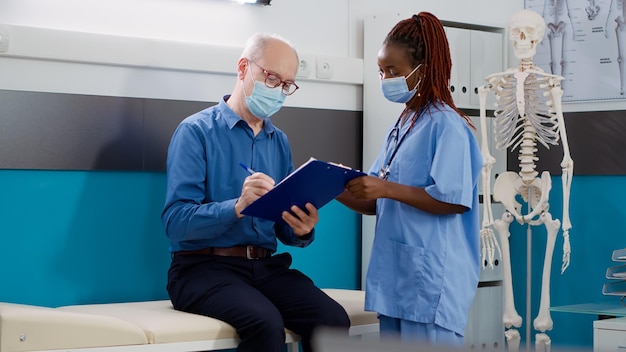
point(301, 222)
point(254, 186)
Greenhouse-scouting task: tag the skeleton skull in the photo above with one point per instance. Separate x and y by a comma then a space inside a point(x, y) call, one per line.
point(526, 29)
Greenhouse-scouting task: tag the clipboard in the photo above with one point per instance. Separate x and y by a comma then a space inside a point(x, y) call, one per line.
point(316, 182)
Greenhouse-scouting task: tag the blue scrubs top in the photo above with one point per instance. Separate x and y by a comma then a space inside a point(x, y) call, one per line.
point(425, 267)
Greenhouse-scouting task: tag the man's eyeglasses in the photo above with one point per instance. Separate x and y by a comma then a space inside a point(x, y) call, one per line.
point(271, 81)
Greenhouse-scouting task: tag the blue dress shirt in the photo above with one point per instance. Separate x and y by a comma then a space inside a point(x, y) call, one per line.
point(204, 181)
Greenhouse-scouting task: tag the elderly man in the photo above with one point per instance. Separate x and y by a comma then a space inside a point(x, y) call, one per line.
point(224, 263)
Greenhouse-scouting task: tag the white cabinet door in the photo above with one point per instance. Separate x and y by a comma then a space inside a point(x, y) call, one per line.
point(378, 113)
point(609, 335)
point(459, 42)
point(609, 340)
point(475, 54)
point(486, 58)
point(485, 331)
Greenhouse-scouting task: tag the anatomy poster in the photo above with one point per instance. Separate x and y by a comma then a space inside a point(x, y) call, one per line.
point(585, 42)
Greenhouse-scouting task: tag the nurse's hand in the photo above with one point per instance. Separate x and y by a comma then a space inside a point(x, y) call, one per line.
point(301, 221)
point(367, 188)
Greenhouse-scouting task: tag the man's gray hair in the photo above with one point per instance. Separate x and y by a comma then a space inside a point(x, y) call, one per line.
point(257, 42)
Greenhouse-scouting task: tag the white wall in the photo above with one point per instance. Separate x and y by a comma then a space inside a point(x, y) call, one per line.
point(204, 21)
point(324, 27)
point(320, 30)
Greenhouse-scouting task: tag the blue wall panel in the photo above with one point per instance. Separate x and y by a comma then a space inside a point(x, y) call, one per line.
point(78, 237)
point(596, 210)
point(74, 237)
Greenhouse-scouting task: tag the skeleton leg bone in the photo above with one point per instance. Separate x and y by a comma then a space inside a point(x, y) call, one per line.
point(542, 343)
point(543, 322)
point(512, 339)
point(510, 317)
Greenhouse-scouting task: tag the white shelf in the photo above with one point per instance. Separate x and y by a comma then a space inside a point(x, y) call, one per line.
point(619, 255)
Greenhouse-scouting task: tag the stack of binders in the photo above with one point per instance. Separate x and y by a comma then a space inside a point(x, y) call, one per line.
point(617, 275)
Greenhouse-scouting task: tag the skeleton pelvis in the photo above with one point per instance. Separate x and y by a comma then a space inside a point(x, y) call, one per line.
point(509, 185)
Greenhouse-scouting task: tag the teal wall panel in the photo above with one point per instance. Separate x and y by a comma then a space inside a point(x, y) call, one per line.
point(79, 237)
point(76, 237)
point(333, 260)
point(596, 210)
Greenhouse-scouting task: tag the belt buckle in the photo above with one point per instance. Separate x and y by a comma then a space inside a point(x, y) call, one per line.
point(249, 252)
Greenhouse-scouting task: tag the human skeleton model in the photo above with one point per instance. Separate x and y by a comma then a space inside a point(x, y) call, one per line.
point(620, 30)
point(527, 110)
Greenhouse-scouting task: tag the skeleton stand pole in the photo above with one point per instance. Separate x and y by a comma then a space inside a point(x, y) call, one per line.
point(529, 246)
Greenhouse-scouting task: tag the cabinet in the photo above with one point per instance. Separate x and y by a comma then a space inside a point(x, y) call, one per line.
point(484, 331)
point(475, 55)
point(609, 335)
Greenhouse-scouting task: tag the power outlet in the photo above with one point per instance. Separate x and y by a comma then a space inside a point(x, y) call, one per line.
point(4, 39)
point(324, 68)
point(304, 67)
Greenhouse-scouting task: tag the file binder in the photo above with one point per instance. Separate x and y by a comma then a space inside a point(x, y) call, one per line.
point(316, 182)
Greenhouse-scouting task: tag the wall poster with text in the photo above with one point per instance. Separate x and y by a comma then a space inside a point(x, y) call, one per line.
point(585, 42)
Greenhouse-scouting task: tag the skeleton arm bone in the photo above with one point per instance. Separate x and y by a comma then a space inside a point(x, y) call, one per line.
point(567, 165)
point(488, 242)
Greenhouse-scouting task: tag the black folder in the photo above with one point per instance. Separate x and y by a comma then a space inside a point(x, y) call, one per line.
point(316, 182)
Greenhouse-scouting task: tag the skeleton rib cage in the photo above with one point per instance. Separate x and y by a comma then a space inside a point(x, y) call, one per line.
point(510, 123)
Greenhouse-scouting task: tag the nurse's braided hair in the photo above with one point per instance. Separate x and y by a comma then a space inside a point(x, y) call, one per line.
point(424, 39)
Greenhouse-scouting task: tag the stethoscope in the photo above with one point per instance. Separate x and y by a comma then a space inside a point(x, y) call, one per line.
point(394, 134)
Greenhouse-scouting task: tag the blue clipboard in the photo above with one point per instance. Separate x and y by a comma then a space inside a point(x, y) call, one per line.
point(316, 182)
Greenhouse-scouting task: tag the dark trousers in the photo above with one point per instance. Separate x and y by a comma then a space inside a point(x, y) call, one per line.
point(259, 297)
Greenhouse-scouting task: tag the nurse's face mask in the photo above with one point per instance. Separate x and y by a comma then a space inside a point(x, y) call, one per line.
point(397, 90)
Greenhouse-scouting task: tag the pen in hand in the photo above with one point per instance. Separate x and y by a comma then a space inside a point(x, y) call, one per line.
point(245, 167)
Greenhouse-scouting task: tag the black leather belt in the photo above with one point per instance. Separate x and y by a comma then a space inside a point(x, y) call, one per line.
point(250, 252)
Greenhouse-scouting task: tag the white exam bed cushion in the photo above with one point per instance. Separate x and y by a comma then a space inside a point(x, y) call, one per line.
point(160, 322)
point(32, 328)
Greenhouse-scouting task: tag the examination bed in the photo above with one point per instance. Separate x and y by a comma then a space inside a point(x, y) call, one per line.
point(140, 326)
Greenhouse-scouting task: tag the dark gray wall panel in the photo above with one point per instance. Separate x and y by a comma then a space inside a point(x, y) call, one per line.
point(328, 135)
point(597, 141)
point(161, 119)
point(82, 132)
point(63, 131)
